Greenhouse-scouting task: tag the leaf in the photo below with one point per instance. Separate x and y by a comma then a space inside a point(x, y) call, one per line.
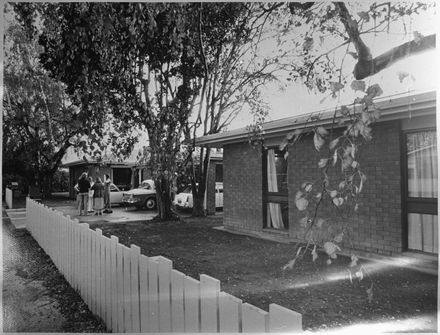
point(338, 201)
point(290, 264)
point(351, 277)
point(318, 195)
point(335, 87)
point(358, 85)
point(283, 143)
point(330, 248)
point(354, 165)
point(329, 261)
point(322, 162)
point(338, 238)
point(333, 143)
point(318, 141)
point(353, 54)
point(360, 275)
point(344, 110)
point(356, 207)
point(354, 261)
point(342, 185)
point(364, 16)
point(335, 157)
point(333, 256)
point(308, 43)
point(322, 131)
point(294, 133)
point(374, 91)
point(333, 193)
point(301, 203)
point(298, 252)
point(299, 194)
point(314, 254)
point(286, 154)
point(308, 187)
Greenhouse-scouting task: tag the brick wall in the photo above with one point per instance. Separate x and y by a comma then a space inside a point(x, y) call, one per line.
point(242, 182)
point(376, 228)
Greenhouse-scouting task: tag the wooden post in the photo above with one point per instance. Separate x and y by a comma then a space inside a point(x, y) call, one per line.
point(230, 313)
point(153, 295)
point(209, 293)
point(177, 302)
point(192, 300)
point(143, 292)
point(135, 252)
point(165, 266)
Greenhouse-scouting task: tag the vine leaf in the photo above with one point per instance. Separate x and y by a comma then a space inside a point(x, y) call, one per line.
point(354, 261)
point(314, 254)
point(322, 162)
point(370, 294)
point(358, 85)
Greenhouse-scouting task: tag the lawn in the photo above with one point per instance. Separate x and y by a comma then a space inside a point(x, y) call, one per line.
point(251, 269)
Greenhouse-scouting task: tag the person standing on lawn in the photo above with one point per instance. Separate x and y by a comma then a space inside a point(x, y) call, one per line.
point(98, 196)
point(84, 187)
point(107, 203)
point(90, 202)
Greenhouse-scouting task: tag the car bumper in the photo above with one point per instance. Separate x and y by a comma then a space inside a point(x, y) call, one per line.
point(132, 202)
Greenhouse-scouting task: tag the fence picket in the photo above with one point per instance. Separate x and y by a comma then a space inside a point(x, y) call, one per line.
point(165, 266)
point(177, 302)
point(99, 265)
point(191, 293)
point(113, 282)
point(282, 320)
point(120, 287)
point(209, 292)
point(254, 320)
point(143, 292)
point(107, 283)
point(127, 292)
point(135, 252)
point(230, 313)
point(153, 296)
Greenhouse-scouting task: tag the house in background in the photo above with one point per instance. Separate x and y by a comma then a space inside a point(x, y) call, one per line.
point(398, 205)
point(125, 175)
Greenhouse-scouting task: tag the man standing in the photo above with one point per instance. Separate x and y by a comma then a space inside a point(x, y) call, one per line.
point(107, 203)
point(83, 187)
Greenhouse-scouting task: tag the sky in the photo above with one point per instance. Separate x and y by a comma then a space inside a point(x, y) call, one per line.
point(296, 99)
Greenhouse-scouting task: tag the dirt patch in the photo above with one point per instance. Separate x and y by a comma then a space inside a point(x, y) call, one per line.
point(250, 269)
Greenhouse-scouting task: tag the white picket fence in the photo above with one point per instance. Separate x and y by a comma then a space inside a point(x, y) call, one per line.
point(135, 293)
point(8, 197)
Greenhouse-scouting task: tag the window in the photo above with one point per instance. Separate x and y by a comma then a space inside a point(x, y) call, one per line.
point(275, 190)
point(422, 191)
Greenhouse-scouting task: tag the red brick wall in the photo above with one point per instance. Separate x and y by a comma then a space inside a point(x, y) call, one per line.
point(242, 182)
point(376, 228)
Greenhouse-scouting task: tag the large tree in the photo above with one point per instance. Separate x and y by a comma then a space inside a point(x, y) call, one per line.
point(139, 60)
point(39, 123)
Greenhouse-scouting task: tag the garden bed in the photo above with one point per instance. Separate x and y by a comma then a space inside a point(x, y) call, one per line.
point(251, 269)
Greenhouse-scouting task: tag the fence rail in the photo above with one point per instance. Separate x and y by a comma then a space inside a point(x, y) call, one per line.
point(8, 197)
point(135, 293)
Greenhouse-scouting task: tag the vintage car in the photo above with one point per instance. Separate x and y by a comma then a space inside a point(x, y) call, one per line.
point(185, 199)
point(142, 197)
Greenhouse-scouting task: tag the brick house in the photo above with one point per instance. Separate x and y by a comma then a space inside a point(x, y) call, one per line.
point(398, 205)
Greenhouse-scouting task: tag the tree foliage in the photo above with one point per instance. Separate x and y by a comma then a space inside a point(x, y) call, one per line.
point(38, 121)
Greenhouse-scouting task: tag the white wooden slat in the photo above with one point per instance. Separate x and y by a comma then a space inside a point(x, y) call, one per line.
point(127, 292)
point(230, 313)
point(143, 292)
point(209, 293)
point(177, 302)
point(100, 279)
point(93, 272)
point(283, 320)
point(120, 287)
point(108, 295)
point(153, 295)
point(254, 320)
point(165, 266)
point(87, 263)
point(135, 252)
point(191, 289)
point(113, 282)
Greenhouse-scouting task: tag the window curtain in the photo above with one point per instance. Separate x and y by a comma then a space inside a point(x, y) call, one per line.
point(274, 218)
point(423, 232)
point(422, 165)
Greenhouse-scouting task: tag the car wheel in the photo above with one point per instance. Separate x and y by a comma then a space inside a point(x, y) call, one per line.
point(150, 203)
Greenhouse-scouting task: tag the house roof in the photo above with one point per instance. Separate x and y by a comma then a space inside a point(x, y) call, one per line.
point(399, 106)
point(82, 162)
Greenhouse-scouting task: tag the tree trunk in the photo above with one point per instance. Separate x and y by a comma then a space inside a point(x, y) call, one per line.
point(199, 209)
point(164, 201)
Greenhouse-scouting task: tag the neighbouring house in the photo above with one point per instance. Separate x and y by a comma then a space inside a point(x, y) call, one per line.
point(398, 205)
point(125, 174)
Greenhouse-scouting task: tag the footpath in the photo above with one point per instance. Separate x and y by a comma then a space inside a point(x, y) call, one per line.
point(36, 297)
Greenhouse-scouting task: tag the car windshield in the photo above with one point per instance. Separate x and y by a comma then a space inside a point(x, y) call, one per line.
point(146, 185)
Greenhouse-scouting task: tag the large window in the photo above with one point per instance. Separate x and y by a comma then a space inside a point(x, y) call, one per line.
point(422, 191)
point(276, 190)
